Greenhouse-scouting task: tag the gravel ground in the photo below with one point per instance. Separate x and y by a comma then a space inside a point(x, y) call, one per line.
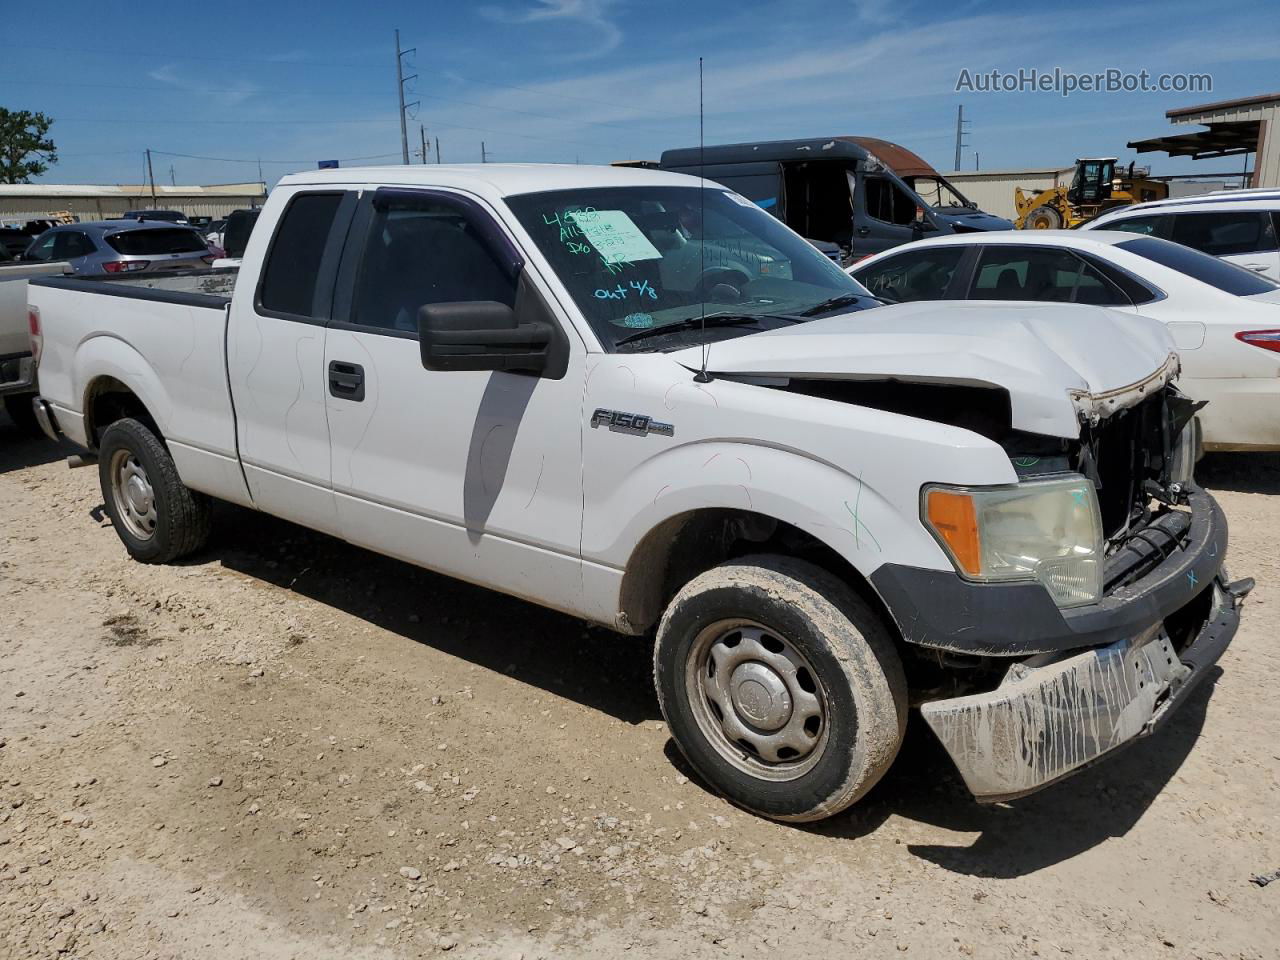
point(290, 747)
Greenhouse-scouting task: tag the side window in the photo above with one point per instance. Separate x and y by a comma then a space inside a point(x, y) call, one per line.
point(888, 202)
point(1152, 226)
point(1133, 291)
point(1225, 234)
point(42, 249)
point(291, 273)
point(71, 244)
point(917, 275)
point(419, 254)
point(1042, 274)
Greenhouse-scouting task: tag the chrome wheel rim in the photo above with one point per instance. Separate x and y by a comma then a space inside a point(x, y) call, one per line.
point(135, 498)
point(757, 700)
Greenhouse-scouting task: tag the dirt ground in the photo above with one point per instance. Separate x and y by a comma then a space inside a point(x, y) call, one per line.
point(290, 747)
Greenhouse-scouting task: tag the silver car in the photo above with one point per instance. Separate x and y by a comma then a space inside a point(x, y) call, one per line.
point(117, 247)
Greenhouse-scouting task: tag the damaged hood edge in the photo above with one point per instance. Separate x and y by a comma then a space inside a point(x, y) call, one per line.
point(1060, 364)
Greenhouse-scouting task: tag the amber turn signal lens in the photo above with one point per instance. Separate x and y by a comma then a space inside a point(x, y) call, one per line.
point(954, 517)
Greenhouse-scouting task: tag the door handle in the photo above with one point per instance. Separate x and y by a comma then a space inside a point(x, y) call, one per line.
point(346, 380)
point(864, 231)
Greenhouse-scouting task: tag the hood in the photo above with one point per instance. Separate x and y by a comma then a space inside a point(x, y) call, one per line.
point(1058, 362)
point(973, 220)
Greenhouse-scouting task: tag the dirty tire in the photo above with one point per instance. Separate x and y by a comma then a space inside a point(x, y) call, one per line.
point(1043, 218)
point(851, 650)
point(20, 411)
point(183, 516)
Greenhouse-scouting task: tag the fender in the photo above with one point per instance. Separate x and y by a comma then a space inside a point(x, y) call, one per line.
point(835, 507)
point(107, 355)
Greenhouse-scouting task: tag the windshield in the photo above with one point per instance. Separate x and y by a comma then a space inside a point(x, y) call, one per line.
point(936, 192)
point(642, 258)
point(1225, 276)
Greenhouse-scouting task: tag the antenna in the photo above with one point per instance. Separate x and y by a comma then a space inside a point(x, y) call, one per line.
point(702, 376)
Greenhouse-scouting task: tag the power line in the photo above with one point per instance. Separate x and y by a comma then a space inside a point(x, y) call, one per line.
point(193, 156)
point(275, 62)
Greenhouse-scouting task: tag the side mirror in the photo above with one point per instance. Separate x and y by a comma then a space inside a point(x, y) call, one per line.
point(481, 335)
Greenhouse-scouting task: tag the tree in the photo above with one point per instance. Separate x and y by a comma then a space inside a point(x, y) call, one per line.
point(25, 150)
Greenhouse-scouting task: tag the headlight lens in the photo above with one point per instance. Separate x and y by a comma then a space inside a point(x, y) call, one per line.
point(1044, 530)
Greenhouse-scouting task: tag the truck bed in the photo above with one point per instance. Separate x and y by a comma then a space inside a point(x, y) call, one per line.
point(164, 335)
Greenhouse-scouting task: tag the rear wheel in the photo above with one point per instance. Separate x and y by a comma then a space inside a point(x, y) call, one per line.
point(1043, 218)
point(781, 686)
point(155, 515)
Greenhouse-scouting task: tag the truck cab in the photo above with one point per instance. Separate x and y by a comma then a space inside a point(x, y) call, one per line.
point(864, 194)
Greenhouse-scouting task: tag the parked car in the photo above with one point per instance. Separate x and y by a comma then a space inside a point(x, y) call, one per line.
point(1240, 226)
point(111, 247)
point(852, 191)
point(1224, 320)
point(14, 242)
point(168, 216)
point(826, 508)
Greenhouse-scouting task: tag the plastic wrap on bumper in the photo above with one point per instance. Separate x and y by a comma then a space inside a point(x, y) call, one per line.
point(1050, 717)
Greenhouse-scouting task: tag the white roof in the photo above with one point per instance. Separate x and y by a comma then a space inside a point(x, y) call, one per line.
point(497, 179)
point(40, 190)
point(1054, 238)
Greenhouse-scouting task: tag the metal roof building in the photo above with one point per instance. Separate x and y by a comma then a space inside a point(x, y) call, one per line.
point(32, 201)
point(1236, 128)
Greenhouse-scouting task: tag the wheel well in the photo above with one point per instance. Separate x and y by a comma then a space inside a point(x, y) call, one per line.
point(108, 400)
point(681, 547)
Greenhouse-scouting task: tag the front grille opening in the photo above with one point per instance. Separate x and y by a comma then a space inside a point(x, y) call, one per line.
point(1185, 624)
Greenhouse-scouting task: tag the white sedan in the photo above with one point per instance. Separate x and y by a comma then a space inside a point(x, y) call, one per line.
point(1225, 320)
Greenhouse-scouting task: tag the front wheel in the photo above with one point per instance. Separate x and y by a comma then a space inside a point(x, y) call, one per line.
point(781, 686)
point(1043, 217)
point(155, 515)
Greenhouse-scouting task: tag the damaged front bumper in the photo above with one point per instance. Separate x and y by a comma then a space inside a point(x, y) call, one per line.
point(1053, 715)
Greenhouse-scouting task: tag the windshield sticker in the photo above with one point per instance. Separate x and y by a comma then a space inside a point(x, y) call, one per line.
point(636, 321)
point(614, 235)
point(641, 288)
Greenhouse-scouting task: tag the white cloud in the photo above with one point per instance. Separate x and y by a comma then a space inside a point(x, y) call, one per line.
point(592, 13)
point(226, 96)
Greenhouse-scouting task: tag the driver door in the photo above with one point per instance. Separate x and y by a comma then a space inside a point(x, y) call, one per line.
point(476, 474)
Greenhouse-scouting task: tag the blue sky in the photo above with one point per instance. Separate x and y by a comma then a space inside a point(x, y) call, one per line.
point(601, 80)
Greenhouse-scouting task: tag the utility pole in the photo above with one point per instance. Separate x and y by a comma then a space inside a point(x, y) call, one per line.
point(482, 156)
point(438, 160)
point(401, 80)
point(173, 180)
point(960, 122)
point(152, 177)
point(422, 132)
point(977, 160)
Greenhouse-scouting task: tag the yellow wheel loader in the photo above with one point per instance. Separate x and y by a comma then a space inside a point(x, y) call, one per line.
point(1094, 188)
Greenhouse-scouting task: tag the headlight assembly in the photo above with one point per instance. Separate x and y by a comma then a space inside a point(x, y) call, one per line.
point(1044, 530)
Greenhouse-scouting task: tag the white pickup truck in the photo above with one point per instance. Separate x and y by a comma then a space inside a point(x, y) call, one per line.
point(635, 397)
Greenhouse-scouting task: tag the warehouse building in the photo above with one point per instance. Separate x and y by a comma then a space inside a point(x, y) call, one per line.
point(992, 190)
point(34, 201)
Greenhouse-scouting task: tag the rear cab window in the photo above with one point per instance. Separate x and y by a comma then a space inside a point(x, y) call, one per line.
point(152, 243)
point(1220, 274)
point(291, 274)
